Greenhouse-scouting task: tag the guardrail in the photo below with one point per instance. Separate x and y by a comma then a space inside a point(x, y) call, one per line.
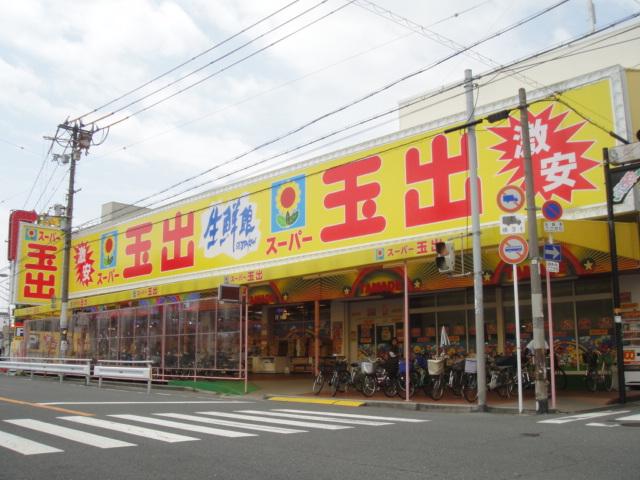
point(59, 366)
point(123, 369)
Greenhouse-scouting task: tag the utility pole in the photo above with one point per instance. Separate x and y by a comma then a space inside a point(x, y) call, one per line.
point(542, 402)
point(80, 139)
point(476, 244)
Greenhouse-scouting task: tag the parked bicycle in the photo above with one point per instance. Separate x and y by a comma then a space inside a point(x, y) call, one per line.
point(598, 371)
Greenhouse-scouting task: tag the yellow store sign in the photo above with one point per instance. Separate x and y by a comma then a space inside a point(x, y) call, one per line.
point(410, 188)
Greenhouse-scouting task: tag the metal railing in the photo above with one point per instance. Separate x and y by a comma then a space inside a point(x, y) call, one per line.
point(125, 370)
point(59, 366)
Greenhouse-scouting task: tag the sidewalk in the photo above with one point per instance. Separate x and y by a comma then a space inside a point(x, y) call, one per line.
point(567, 401)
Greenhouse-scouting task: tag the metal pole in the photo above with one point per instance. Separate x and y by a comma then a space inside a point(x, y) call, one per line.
point(316, 337)
point(516, 306)
point(245, 299)
point(552, 354)
point(66, 255)
point(615, 279)
point(542, 402)
point(407, 346)
point(476, 245)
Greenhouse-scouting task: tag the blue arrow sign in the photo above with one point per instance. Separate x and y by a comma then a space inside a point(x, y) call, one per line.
point(552, 252)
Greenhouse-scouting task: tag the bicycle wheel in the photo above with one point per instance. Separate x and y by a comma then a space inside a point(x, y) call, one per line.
point(505, 384)
point(390, 387)
point(402, 385)
point(561, 379)
point(358, 382)
point(335, 383)
point(591, 382)
point(368, 385)
point(607, 380)
point(437, 389)
point(470, 388)
point(456, 384)
point(318, 383)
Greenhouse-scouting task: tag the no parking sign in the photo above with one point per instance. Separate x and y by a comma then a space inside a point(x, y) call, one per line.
point(513, 249)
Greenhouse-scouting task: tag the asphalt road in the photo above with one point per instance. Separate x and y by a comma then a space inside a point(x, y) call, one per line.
point(75, 432)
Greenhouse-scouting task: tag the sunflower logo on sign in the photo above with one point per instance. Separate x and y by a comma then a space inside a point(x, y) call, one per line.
point(288, 204)
point(108, 250)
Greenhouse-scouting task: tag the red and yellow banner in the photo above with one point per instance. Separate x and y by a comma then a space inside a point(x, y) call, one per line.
point(413, 187)
point(38, 264)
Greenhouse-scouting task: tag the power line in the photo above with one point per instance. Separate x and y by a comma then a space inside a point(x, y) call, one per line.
point(361, 99)
point(246, 99)
point(177, 67)
point(190, 74)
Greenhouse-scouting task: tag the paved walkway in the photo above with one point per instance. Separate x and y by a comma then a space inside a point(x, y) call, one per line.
point(571, 400)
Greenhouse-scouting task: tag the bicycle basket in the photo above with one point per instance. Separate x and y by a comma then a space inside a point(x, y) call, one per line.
point(470, 365)
point(436, 367)
point(368, 368)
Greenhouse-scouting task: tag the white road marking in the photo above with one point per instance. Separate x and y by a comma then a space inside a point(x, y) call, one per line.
point(70, 434)
point(630, 417)
point(352, 415)
point(24, 445)
point(608, 425)
point(311, 417)
point(583, 416)
point(228, 423)
point(131, 429)
point(147, 403)
point(278, 421)
point(185, 426)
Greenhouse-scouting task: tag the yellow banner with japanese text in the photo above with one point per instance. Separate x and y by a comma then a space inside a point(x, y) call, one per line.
point(412, 187)
point(38, 265)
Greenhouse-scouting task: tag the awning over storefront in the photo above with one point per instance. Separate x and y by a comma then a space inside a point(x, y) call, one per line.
point(375, 269)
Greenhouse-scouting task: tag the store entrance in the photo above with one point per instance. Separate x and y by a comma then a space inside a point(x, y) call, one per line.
point(281, 338)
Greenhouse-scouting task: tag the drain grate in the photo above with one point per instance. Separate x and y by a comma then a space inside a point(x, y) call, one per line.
point(635, 424)
point(530, 434)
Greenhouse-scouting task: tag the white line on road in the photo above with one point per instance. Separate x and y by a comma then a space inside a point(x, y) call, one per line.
point(229, 423)
point(583, 416)
point(131, 429)
point(70, 434)
point(280, 421)
point(608, 425)
point(185, 426)
point(24, 446)
point(311, 417)
point(351, 415)
point(630, 417)
point(186, 402)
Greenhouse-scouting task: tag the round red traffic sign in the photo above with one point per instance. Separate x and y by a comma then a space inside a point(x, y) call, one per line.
point(513, 249)
point(551, 210)
point(510, 198)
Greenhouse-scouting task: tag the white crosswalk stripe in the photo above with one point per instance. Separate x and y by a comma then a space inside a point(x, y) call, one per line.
point(70, 433)
point(352, 415)
point(583, 416)
point(130, 429)
point(185, 426)
point(277, 421)
point(607, 425)
point(311, 417)
point(229, 423)
point(635, 418)
point(24, 445)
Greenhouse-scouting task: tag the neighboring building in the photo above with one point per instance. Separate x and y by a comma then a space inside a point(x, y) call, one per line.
point(328, 249)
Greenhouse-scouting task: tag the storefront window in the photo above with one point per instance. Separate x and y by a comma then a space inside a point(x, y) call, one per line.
point(595, 326)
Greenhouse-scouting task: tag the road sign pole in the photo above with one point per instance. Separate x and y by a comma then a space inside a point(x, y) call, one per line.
point(516, 302)
point(552, 354)
point(537, 314)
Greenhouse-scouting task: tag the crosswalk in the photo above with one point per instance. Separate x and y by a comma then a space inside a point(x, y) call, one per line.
point(162, 427)
point(614, 418)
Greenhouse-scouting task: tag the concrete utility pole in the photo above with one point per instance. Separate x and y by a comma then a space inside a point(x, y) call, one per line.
point(80, 139)
point(542, 402)
point(476, 244)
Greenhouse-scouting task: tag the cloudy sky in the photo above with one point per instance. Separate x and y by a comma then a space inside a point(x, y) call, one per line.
point(249, 85)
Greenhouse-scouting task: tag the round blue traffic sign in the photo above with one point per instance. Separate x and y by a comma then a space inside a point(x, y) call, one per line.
point(552, 210)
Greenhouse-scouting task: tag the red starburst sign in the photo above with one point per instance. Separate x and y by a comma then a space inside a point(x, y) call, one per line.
point(559, 164)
